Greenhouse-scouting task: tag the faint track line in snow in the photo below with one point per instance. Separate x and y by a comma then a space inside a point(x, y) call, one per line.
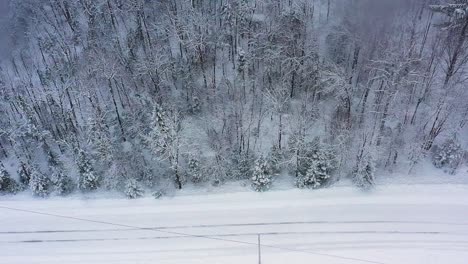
point(245, 234)
point(193, 235)
point(236, 225)
point(66, 231)
point(314, 222)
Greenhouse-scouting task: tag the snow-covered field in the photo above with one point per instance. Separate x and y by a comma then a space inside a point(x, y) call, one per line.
point(392, 224)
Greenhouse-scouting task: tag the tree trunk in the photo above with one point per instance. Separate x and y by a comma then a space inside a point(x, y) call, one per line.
point(116, 110)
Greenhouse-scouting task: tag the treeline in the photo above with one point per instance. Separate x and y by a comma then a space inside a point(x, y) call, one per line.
point(130, 95)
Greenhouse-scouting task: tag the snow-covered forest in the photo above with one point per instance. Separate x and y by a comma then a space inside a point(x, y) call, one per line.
point(141, 96)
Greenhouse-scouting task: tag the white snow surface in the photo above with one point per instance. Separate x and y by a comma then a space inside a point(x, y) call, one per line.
point(420, 223)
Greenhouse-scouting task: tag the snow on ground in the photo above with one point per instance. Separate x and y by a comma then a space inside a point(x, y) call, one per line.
point(392, 224)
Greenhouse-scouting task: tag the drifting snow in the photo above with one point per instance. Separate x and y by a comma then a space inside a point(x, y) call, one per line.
point(393, 224)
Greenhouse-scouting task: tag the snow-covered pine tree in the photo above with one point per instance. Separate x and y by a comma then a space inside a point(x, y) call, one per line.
point(194, 171)
point(7, 184)
point(40, 185)
point(165, 140)
point(321, 164)
point(363, 174)
point(52, 159)
point(115, 178)
point(297, 154)
point(241, 60)
point(147, 177)
point(448, 156)
point(133, 189)
point(24, 172)
point(243, 165)
point(275, 158)
point(29, 129)
point(99, 137)
point(314, 176)
point(262, 177)
point(310, 180)
point(195, 105)
point(88, 180)
point(63, 184)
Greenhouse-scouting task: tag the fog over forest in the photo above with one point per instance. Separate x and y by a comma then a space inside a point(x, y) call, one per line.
point(139, 96)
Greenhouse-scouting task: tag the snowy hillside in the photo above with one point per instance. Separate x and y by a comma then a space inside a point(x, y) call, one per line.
point(142, 97)
point(208, 131)
point(395, 224)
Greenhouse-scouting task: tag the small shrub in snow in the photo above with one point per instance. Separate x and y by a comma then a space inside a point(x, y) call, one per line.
point(448, 156)
point(158, 194)
point(261, 178)
point(133, 189)
point(216, 182)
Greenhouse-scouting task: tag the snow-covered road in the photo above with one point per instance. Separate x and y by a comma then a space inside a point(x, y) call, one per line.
point(393, 224)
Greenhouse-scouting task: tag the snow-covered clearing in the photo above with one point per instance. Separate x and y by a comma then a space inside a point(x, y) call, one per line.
point(393, 224)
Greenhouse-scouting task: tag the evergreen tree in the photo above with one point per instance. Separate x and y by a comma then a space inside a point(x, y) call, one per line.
point(40, 185)
point(52, 159)
point(63, 184)
point(195, 105)
point(100, 139)
point(320, 166)
point(194, 171)
point(448, 156)
point(24, 172)
point(262, 177)
point(297, 150)
point(311, 179)
point(165, 139)
point(7, 184)
point(275, 158)
point(88, 180)
point(363, 174)
point(133, 189)
point(241, 60)
point(242, 165)
point(147, 177)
